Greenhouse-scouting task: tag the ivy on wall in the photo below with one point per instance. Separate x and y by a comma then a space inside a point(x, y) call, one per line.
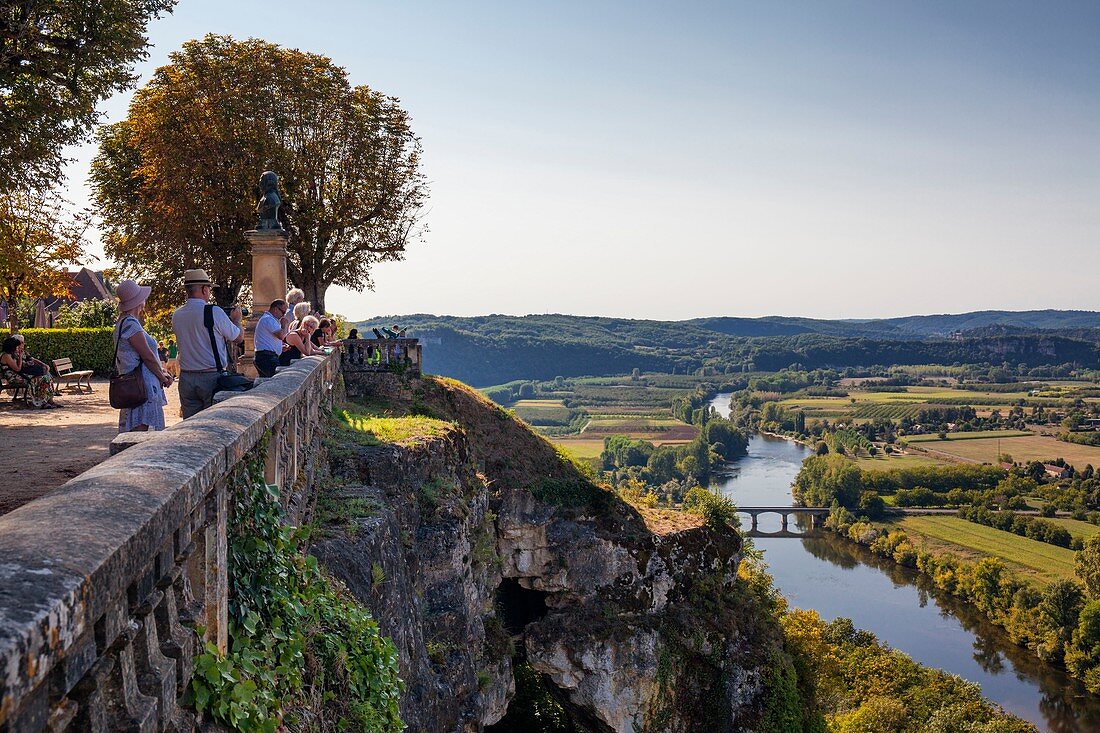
point(297, 640)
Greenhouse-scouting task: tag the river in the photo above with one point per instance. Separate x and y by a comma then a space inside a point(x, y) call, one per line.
point(838, 578)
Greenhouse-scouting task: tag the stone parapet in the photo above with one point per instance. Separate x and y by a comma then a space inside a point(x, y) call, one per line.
point(103, 580)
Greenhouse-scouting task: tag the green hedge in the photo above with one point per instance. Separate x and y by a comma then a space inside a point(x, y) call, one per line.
point(89, 348)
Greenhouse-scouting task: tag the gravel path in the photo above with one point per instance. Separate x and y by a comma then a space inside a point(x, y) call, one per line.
point(42, 449)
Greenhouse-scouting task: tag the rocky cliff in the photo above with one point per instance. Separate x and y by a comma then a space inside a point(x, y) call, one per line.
point(477, 546)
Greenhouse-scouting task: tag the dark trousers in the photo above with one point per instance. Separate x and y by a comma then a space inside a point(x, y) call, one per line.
point(196, 391)
point(266, 362)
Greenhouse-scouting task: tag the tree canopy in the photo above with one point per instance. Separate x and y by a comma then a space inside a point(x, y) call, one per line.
point(37, 239)
point(58, 59)
point(175, 180)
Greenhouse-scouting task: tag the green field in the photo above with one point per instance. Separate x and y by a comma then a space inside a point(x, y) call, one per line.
point(542, 412)
point(1022, 449)
point(583, 448)
point(866, 404)
point(883, 462)
point(657, 430)
point(974, 435)
point(1045, 563)
point(1077, 528)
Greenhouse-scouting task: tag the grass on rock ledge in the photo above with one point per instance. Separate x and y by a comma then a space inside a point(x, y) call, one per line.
point(367, 424)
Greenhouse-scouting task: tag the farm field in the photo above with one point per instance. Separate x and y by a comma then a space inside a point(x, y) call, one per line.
point(1040, 561)
point(1076, 527)
point(580, 448)
point(868, 404)
point(1022, 449)
point(542, 412)
point(883, 462)
point(974, 435)
point(657, 430)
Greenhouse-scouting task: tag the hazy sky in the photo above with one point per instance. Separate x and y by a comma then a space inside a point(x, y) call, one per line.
point(673, 160)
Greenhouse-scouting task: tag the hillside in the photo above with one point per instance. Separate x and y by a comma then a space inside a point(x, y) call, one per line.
point(493, 349)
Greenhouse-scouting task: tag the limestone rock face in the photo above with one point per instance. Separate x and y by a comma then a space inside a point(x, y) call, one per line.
point(468, 546)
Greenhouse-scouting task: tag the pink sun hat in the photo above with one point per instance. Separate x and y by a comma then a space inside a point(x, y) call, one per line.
point(131, 295)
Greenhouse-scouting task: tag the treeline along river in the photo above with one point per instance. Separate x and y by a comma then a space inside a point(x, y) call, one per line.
point(838, 578)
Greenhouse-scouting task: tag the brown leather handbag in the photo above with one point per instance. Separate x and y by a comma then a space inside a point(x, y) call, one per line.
point(127, 391)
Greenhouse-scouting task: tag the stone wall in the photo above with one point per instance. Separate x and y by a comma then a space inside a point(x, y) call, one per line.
point(103, 579)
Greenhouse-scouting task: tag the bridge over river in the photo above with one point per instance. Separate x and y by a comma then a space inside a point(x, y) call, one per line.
point(817, 515)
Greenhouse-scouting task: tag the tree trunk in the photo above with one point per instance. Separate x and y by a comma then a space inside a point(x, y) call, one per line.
point(315, 290)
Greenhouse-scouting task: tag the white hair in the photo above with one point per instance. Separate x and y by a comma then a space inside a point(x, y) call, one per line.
point(294, 296)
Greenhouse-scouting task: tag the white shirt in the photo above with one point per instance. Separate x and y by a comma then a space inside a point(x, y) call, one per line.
point(266, 329)
point(193, 339)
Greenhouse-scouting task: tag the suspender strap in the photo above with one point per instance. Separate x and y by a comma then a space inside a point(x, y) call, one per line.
point(208, 321)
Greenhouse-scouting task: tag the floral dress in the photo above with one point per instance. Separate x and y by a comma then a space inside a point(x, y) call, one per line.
point(150, 413)
point(39, 389)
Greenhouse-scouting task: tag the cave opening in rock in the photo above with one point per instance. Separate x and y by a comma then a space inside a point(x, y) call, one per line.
point(541, 707)
point(518, 606)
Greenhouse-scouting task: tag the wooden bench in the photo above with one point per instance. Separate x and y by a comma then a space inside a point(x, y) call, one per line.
point(66, 375)
point(18, 389)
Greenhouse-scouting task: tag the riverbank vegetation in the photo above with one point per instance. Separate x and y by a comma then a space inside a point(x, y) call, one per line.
point(863, 686)
point(1047, 598)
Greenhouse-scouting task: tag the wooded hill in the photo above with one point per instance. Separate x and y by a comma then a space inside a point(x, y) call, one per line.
point(494, 349)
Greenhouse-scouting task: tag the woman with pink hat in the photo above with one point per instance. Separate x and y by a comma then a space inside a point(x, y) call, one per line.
point(136, 348)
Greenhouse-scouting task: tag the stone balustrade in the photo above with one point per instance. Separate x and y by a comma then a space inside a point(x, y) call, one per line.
point(104, 581)
point(378, 355)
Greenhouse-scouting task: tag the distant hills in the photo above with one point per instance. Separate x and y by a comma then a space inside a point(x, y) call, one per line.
point(905, 327)
point(493, 349)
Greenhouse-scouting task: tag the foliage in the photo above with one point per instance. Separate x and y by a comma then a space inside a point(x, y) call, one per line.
point(348, 161)
point(92, 313)
point(291, 626)
point(717, 511)
point(37, 239)
point(58, 59)
point(824, 478)
point(828, 478)
point(866, 687)
point(1092, 438)
point(1023, 525)
point(89, 348)
point(1087, 566)
point(533, 708)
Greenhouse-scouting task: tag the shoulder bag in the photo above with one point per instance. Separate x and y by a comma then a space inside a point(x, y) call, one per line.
point(227, 382)
point(127, 391)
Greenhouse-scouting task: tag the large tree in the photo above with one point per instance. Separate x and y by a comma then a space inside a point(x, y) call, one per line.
point(58, 59)
point(175, 180)
point(38, 237)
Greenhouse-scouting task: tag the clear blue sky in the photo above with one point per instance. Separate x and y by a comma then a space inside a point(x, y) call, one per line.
point(672, 160)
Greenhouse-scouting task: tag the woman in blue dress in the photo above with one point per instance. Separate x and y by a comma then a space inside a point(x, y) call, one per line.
point(137, 348)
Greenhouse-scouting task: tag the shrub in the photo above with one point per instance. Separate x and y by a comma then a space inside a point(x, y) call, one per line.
point(716, 511)
point(89, 348)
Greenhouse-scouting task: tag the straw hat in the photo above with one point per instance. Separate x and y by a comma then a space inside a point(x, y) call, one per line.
point(131, 295)
point(195, 277)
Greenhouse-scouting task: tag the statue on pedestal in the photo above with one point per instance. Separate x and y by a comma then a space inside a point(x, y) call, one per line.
point(268, 205)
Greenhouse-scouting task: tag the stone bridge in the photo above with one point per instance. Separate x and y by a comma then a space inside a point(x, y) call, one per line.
point(103, 580)
point(817, 515)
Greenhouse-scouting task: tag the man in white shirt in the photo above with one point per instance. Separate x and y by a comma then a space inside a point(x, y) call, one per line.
point(197, 365)
point(270, 332)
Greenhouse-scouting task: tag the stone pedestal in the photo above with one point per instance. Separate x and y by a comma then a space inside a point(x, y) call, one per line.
point(268, 284)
